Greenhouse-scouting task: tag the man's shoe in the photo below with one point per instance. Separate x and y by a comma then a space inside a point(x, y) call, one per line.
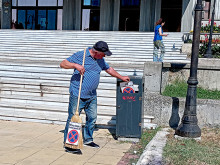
point(91, 144)
point(73, 151)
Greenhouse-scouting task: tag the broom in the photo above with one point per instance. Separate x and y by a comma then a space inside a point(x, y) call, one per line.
point(75, 125)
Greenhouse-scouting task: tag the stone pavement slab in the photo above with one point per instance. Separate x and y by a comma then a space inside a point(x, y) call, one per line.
point(27, 143)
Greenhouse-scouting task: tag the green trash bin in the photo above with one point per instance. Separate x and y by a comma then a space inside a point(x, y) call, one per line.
point(129, 107)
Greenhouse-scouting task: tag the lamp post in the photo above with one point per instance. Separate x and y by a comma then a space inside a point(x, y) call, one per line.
point(189, 124)
point(208, 53)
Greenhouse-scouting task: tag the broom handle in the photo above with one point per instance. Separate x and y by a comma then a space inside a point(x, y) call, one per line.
point(80, 84)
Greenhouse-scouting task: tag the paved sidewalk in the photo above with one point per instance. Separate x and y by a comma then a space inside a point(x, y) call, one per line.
point(27, 143)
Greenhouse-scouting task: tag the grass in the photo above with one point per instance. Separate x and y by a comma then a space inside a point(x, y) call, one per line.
point(185, 152)
point(134, 153)
point(179, 89)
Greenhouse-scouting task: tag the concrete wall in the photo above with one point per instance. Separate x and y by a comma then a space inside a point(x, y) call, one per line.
point(208, 73)
point(168, 111)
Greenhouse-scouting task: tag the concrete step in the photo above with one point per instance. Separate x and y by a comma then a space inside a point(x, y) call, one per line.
point(34, 87)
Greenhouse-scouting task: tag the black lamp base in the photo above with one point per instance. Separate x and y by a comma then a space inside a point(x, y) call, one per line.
point(188, 130)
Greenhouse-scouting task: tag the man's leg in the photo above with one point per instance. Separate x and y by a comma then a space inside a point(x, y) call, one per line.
point(91, 117)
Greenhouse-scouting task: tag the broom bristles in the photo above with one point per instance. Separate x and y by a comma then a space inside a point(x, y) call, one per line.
point(76, 119)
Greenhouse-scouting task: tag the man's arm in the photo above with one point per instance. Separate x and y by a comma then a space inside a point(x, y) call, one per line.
point(114, 73)
point(68, 65)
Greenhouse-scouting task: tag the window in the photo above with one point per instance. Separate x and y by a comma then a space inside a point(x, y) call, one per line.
point(60, 2)
point(59, 19)
point(47, 2)
point(14, 15)
point(130, 3)
point(91, 3)
point(26, 2)
point(37, 14)
point(14, 2)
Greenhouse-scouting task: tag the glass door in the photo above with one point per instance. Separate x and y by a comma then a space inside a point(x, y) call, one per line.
point(47, 19)
point(51, 19)
point(26, 19)
point(42, 21)
point(20, 24)
point(30, 23)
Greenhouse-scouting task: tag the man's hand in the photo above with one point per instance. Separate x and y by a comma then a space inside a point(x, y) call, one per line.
point(80, 68)
point(125, 78)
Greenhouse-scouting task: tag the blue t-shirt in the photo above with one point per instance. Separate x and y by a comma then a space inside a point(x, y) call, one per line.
point(157, 34)
point(91, 76)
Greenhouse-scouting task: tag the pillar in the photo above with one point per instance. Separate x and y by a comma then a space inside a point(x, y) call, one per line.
point(6, 14)
point(187, 21)
point(116, 12)
point(157, 11)
point(71, 15)
point(109, 15)
point(149, 13)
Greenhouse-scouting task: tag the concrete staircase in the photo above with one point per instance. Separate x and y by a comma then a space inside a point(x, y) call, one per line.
point(34, 88)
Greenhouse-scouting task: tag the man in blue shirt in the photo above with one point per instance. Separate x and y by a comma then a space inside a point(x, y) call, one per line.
point(94, 64)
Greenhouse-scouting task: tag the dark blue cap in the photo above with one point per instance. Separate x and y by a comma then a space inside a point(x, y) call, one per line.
point(102, 46)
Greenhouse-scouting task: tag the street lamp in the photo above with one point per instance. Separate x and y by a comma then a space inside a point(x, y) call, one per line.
point(189, 124)
point(209, 49)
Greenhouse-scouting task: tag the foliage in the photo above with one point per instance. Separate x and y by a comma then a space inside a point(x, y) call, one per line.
point(188, 41)
point(206, 28)
point(214, 47)
point(179, 89)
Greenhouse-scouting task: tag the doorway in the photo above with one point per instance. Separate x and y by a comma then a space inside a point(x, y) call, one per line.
point(129, 15)
point(90, 15)
point(171, 12)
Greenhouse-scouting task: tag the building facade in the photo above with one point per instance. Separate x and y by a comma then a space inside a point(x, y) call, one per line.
point(102, 15)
